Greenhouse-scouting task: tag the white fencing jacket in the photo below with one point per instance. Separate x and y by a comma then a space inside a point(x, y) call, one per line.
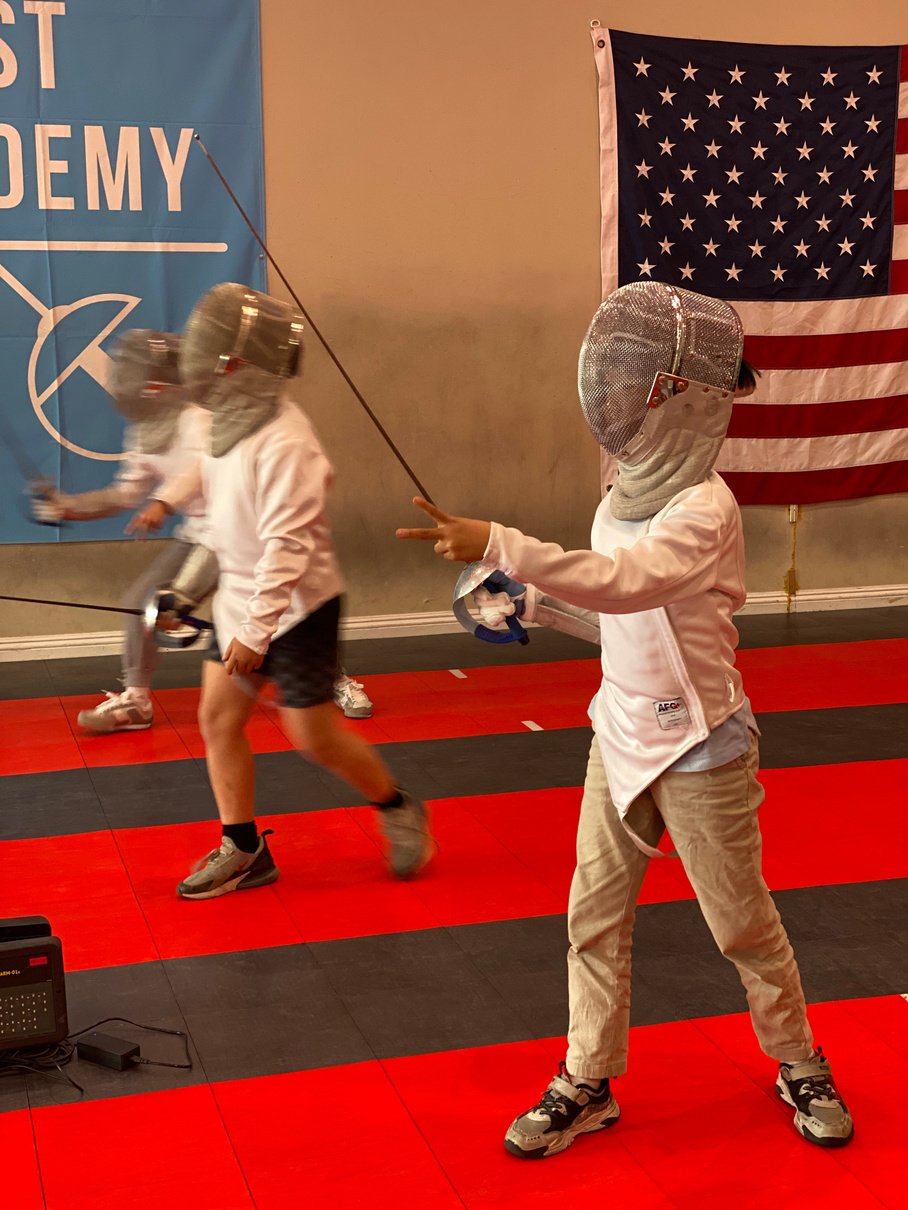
point(666, 589)
point(266, 501)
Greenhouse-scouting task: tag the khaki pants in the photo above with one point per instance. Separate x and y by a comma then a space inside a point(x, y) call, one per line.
point(712, 820)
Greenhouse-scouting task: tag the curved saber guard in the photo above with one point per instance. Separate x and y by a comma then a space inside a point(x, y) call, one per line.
point(472, 576)
point(170, 624)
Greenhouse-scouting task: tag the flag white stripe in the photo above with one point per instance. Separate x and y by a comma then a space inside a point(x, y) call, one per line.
point(900, 243)
point(790, 454)
point(807, 387)
point(901, 172)
point(903, 99)
point(608, 157)
point(818, 318)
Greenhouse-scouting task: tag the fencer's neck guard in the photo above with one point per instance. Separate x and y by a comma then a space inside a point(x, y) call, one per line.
point(677, 446)
point(146, 390)
point(238, 351)
point(156, 433)
point(656, 379)
point(241, 403)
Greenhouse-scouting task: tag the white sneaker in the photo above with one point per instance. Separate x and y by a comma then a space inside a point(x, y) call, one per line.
point(126, 711)
point(352, 698)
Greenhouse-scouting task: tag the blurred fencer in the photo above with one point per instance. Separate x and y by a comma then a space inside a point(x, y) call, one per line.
point(675, 747)
point(165, 435)
point(265, 480)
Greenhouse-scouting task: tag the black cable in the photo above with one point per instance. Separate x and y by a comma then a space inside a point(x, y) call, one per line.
point(41, 1061)
point(161, 1063)
point(156, 1029)
point(311, 322)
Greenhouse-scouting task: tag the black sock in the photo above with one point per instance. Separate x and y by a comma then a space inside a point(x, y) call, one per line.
point(397, 800)
point(244, 835)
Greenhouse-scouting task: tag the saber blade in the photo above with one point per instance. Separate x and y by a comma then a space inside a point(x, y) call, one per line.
point(137, 613)
point(311, 322)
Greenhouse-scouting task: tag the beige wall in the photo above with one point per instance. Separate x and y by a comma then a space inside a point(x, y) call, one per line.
point(432, 193)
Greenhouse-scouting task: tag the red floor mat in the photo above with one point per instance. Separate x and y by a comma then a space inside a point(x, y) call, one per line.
point(35, 737)
point(21, 1178)
point(825, 674)
point(146, 1152)
point(81, 884)
point(701, 1127)
point(852, 1034)
point(339, 1137)
point(112, 896)
point(436, 705)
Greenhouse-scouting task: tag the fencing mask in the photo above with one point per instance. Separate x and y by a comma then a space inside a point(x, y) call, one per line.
point(146, 387)
point(239, 347)
point(656, 377)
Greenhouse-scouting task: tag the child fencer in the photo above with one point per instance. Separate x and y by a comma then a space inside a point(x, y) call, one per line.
point(265, 480)
point(166, 434)
point(675, 744)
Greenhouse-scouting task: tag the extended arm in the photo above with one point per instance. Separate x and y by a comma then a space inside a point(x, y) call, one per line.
point(133, 482)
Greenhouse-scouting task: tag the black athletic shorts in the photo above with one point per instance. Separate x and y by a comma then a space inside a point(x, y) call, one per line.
point(303, 663)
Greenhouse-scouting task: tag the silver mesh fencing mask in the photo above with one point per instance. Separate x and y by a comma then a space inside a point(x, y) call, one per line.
point(664, 440)
point(239, 348)
point(146, 387)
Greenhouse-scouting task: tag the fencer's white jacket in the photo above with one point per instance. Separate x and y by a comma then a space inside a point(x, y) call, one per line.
point(266, 500)
point(665, 589)
point(147, 475)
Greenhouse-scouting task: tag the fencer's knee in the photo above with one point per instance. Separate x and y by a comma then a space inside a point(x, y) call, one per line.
point(219, 725)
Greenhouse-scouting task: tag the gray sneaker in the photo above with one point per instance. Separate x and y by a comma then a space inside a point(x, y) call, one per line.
point(565, 1110)
point(230, 869)
point(406, 829)
point(352, 698)
point(821, 1115)
point(126, 711)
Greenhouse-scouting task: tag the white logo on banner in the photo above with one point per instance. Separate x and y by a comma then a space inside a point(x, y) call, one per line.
point(92, 359)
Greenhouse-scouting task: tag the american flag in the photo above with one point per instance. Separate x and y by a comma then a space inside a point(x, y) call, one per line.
point(775, 177)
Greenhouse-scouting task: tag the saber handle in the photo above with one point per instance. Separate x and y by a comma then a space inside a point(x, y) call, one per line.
point(312, 324)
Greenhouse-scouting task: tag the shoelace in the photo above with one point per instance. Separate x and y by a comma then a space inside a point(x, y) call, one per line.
point(817, 1088)
point(351, 688)
point(203, 861)
point(113, 701)
point(554, 1104)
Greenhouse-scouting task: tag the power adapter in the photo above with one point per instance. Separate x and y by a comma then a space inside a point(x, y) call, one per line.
point(107, 1051)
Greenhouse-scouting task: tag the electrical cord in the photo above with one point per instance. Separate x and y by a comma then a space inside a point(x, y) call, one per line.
point(155, 1029)
point(42, 1061)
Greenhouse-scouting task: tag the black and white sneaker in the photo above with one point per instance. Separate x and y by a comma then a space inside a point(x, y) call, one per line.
point(565, 1110)
point(821, 1115)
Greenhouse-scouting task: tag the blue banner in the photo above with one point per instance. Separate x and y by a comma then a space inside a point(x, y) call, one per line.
point(111, 218)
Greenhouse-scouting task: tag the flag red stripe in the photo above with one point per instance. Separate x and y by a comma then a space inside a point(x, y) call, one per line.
point(901, 137)
point(898, 283)
point(817, 487)
point(900, 206)
point(819, 419)
point(903, 63)
point(826, 352)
